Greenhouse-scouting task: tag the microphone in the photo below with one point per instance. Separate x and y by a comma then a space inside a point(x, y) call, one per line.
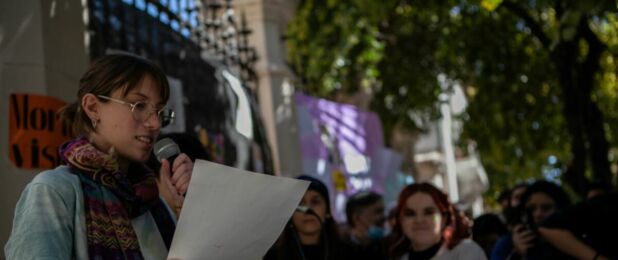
point(166, 148)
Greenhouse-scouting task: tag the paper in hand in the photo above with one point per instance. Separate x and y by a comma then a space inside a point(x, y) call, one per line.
point(233, 214)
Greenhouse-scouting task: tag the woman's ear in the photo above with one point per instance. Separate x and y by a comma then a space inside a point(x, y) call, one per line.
point(90, 104)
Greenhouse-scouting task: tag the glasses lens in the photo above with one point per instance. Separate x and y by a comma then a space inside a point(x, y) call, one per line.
point(166, 117)
point(141, 111)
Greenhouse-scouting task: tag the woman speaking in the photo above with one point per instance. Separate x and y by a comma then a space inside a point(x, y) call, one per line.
point(105, 203)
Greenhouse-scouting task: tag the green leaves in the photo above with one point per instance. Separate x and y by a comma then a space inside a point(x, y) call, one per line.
point(397, 48)
point(490, 5)
point(334, 45)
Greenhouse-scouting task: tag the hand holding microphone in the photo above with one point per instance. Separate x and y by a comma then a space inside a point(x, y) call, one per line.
point(175, 172)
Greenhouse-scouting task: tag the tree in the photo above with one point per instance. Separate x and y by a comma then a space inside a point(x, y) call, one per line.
point(531, 69)
point(575, 52)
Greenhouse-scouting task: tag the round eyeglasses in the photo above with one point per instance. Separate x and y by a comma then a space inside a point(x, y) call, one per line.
point(142, 111)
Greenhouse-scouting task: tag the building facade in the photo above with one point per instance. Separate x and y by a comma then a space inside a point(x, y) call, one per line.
point(203, 46)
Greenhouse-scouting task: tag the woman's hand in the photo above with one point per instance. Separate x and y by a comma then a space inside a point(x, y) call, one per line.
point(173, 184)
point(523, 239)
point(181, 173)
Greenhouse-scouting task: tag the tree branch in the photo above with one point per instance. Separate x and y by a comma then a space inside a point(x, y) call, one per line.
point(559, 8)
point(595, 46)
point(591, 64)
point(534, 26)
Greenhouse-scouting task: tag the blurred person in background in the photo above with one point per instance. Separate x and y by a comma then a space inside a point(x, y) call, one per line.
point(429, 227)
point(503, 199)
point(511, 212)
point(586, 230)
point(365, 214)
point(539, 201)
point(487, 229)
point(311, 235)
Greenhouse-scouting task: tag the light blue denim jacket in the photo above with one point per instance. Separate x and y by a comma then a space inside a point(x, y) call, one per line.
point(50, 223)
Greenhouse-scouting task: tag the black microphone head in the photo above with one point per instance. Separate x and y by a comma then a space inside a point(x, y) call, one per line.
point(165, 148)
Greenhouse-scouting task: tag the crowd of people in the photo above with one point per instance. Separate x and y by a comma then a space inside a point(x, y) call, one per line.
point(538, 221)
point(110, 202)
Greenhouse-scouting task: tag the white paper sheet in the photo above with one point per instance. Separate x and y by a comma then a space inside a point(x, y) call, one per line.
point(233, 214)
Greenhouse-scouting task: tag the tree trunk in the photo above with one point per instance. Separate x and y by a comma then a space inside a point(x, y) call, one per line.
point(593, 117)
point(584, 118)
point(565, 65)
point(598, 146)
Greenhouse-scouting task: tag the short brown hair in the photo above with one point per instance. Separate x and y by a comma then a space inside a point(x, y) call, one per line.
point(106, 75)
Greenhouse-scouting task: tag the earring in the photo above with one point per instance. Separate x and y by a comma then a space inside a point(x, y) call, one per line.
point(94, 124)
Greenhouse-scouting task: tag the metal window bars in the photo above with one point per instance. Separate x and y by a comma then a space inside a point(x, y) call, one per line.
point(198, 28)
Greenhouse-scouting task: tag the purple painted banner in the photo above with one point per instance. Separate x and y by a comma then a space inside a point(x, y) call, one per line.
point(344, 147)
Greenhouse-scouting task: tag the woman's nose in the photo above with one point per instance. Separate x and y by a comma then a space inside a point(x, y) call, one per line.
point(153, 121)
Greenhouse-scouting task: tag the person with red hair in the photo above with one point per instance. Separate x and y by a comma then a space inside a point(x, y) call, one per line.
point(429, 227)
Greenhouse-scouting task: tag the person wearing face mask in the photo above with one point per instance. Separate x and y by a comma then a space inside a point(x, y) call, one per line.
point(104, 203)
point(365, 214)
point(311, 235)
point(429, 227)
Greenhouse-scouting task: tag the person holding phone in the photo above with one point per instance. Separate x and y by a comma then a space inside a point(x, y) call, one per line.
point(539, 201)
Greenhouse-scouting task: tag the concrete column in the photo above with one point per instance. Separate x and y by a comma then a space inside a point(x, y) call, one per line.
point(268, 20)
point(42, 51)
